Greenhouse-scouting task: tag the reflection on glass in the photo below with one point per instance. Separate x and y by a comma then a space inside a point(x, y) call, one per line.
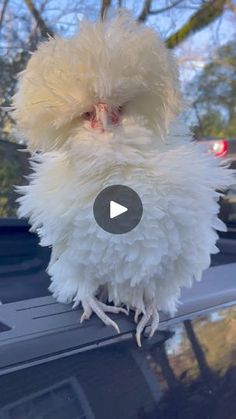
point(180, 374)
point(196, 368)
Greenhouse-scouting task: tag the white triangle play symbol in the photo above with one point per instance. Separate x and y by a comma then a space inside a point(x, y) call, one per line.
point(116, 209)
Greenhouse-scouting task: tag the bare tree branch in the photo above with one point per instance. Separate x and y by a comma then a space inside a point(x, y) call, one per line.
point(165, 9)
point(105, 6)
point(146, 10)
point(44, 29)
point(4, 7)
point(207, 13)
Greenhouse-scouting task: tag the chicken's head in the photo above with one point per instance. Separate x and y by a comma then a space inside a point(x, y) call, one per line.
point(111, 71)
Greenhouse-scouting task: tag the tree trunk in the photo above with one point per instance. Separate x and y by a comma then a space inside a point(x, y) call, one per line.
point(197, 350)
point(207, 13)
point(168, 374)
point(44, 29)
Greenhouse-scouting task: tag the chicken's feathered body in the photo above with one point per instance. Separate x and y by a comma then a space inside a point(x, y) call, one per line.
point(145, 268)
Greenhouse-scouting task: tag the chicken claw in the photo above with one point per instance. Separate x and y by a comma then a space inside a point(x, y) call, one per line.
point(87, 312)
point(93, 305)
point(151, 313)
point(137, 314)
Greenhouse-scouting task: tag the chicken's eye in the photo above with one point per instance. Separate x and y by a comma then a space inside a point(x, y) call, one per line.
point(87, 115)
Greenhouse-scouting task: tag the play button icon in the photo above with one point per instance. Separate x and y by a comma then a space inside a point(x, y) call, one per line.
point(118, 209)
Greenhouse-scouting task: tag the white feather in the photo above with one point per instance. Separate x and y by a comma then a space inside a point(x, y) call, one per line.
point(169, 247)
point(151, 151)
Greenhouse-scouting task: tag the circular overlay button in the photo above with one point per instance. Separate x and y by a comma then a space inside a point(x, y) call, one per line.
point(118, 209)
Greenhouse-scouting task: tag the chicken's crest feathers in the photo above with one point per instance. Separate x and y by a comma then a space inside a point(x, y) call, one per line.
point(117, 60)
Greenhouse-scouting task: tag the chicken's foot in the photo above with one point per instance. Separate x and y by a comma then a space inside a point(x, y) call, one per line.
point(93, 305)
point(151, 313)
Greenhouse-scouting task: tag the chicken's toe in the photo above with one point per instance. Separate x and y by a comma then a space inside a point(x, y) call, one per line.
point(92, 305)
point(155, 323)
point(113, 309)
point(136, 315)
point(141, 325)
point(87, 312)
point(151, 313)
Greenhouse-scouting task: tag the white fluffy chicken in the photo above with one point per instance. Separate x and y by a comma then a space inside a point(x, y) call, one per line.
point(101, 109)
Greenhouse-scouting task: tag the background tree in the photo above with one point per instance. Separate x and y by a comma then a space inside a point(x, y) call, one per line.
point(215, 94)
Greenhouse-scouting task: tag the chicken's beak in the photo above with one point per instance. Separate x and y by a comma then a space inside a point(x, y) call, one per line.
point(102, 115)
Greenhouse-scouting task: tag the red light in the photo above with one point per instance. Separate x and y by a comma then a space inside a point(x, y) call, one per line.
point(219, 148)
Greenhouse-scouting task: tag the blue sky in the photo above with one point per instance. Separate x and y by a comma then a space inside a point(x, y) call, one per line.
point(192, 53)
point(64, 16)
